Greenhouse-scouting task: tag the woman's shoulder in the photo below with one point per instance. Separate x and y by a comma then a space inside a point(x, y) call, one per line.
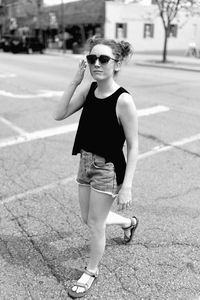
point(126, 109)
point(126, 103)
point(125, 98)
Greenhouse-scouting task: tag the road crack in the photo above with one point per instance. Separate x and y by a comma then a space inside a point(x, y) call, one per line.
point(185, 193)
point(25, 233)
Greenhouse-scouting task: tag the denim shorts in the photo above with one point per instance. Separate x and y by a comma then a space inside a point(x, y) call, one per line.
point(96, 173)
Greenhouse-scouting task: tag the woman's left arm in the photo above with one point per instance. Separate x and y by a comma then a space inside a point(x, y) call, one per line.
point(127, 115)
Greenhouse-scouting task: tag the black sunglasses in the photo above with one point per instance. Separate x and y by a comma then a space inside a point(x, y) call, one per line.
point(103, 59)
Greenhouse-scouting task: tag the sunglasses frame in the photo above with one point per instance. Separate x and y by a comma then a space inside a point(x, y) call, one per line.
point(99, 58)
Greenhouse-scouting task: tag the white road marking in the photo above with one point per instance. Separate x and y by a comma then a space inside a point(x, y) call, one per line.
point(37, 190)
point(7, 75)
point(163, 148)
point(27, 137)
point(53, 185)
point(12, 126)
point(41, 134)
point(152, 110)
point(42, 94)
point(50, 94)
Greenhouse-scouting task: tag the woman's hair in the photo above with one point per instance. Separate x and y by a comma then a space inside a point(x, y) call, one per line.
point(121, 50)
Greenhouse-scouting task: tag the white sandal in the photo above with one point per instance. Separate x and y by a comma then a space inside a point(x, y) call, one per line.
point(74, 294)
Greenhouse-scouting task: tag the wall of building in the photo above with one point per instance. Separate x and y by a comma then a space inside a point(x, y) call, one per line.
point(135, 17)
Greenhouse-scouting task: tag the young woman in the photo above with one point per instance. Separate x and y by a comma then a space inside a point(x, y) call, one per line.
point(108, 119)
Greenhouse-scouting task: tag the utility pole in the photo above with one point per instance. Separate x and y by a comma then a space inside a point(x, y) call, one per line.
point(39, 7)
point(62, 7)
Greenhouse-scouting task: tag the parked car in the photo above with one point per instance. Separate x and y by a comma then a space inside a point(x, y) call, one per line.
point(5, 42)
point(27, 45)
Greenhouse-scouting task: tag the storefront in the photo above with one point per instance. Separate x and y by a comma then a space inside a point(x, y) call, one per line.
point(73, 23)
point(66, 25)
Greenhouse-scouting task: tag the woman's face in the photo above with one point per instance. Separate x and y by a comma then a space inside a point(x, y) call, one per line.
point(102, 71)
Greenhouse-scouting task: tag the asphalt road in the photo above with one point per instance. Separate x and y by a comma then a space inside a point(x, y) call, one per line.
point(43, 243)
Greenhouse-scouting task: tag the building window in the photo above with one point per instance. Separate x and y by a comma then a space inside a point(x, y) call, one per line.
point(121, 30)
point(148, 30)
point(153, 2)
point(173, 30)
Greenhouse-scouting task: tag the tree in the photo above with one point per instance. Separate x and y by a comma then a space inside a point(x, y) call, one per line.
point(168, 10)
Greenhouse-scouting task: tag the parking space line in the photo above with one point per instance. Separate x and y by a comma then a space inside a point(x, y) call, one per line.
point(152, 110)
point(27, 137)
point(12, 126)
point(41, 134)
point(42, 94)
point(163, 148)
point(7, 75)
point(37, 190)
point(53, 185)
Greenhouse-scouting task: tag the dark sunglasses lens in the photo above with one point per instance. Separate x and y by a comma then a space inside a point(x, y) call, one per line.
point(104, 59)
point(91, 59)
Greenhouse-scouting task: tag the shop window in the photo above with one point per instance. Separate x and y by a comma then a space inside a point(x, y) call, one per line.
point(173, 30)
point(121, 30)
point(148, 30)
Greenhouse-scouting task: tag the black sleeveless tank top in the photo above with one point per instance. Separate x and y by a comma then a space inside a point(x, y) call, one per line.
point(99, 131)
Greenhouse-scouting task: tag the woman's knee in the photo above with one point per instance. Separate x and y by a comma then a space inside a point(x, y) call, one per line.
point(95, 224)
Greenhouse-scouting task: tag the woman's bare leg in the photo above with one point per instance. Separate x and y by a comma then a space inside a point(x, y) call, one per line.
point(100, 204)
point(84, 201)
point(116, 219)
point(99, 207)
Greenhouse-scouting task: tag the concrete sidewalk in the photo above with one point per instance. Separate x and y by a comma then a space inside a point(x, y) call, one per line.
point(173, 62)
point(151, 60)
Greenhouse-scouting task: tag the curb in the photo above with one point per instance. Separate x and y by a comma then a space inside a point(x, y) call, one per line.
point(67, 54)
point(180, 67)
point(172, 66)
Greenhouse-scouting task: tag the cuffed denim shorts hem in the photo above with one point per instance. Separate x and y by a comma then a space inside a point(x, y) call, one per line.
point(103, 192)
point(95, 172)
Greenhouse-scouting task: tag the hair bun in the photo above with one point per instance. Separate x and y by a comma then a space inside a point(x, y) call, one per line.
point(126, 49)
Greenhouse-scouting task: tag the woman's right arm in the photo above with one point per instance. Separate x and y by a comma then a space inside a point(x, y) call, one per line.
point(69, 102)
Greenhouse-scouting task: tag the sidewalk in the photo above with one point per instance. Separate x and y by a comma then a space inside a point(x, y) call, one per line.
point(173, 62)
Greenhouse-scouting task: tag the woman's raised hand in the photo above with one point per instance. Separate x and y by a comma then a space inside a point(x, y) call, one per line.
point(80, 72)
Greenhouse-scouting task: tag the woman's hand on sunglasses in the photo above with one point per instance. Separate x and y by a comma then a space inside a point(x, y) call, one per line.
point(80, 72)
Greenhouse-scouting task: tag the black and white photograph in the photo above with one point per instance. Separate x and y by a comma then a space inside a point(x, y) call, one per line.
point(100, 149)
